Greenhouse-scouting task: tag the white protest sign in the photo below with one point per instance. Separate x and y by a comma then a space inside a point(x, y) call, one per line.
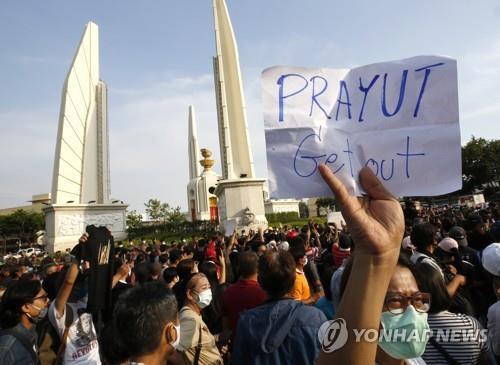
point(335, 217)
point(229, 227)
point(400, 118)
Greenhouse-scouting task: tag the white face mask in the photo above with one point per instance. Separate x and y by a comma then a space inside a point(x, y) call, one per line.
point(175, 344)
point(204, 298)
point(305, 261)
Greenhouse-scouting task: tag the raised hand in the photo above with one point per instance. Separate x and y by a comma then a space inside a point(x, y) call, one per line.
point(376, 220)
point(376, 223)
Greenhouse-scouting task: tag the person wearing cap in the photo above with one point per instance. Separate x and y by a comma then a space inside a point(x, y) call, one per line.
point(407, 246)
point(423, 237)
point(491, 263)
point(467, 253)
point(447, 252)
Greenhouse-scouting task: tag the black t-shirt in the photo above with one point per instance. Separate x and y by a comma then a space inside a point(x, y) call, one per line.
point(99, 250)
point(479, 241)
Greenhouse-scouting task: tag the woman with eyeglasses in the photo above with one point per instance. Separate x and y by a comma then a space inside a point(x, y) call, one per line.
point(404, 331)
point(23, 305)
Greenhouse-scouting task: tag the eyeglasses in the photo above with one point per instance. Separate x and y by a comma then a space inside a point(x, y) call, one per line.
point(397, 303)
point(44, 298)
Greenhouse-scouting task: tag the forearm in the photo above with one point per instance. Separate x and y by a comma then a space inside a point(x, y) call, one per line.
point(453, 286)
point(361, 306)
point(66, 288)
point(222, 278)
point(116, 279)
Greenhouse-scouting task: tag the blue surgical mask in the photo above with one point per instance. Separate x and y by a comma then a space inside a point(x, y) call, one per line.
point(404, 335)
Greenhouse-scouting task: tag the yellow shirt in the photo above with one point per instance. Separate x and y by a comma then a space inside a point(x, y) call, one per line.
point(300, 289)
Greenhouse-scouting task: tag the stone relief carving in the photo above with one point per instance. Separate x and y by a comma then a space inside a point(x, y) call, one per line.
point(75, 224)
point(248, 217)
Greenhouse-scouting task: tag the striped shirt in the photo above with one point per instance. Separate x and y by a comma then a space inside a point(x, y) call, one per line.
point(339, 255)
point(459, 335)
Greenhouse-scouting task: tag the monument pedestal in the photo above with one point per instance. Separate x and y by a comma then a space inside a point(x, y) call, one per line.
point(64, 224)
point(241, 204)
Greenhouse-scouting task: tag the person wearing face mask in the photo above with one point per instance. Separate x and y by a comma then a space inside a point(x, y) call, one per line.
point(301, 290)
point(197, 344)
point(23, 305)
point(404, 330)
point(145, 327)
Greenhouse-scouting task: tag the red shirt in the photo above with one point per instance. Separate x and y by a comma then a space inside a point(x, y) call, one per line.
point(210, 252)
point(242, 295)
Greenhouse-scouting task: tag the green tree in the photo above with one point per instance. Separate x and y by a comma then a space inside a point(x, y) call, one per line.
point(22, 224)
point(480, 163)
point(175, 215)
point(304, 210)
point(160, 212)
point(326, 202)
point(156, 210)
point(134, 219)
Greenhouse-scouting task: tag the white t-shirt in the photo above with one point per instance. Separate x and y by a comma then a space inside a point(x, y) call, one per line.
point(81, 345)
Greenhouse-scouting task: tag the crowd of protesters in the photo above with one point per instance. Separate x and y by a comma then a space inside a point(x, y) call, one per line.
point(260, 297)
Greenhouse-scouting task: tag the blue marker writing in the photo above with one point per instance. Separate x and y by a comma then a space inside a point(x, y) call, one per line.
point(281, 82)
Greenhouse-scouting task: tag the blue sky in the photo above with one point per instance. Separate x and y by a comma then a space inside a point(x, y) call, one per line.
point(156, 57)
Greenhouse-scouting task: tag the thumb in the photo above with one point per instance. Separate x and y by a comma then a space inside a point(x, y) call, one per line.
point(372, 185)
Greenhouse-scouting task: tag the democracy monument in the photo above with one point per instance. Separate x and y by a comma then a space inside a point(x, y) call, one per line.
point(240, 195)
point(81, 180)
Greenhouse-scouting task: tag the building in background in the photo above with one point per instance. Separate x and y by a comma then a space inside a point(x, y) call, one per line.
point(273, 206)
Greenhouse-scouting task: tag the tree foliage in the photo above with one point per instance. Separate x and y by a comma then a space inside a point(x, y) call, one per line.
point(326, 202)
point(282, 217)
point(134, 219)
point(304, 210)
point(480, 163)
point(159, 212)
point(22, 224)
